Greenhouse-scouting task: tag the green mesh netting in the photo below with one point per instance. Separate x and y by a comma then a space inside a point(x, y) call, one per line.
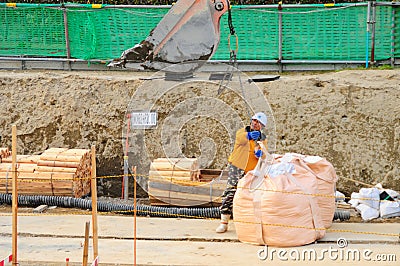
point(257, 33)
point(32, 32)
point(396, 35)
point(383, 32)
point(309, 33)
point(329, 34)
point(105, 33)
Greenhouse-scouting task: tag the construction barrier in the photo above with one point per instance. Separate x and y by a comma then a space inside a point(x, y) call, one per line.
point(6, 260)
point(95, 261)
point(347, 32)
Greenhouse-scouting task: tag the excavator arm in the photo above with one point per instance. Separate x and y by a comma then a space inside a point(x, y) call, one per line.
point(189, 33)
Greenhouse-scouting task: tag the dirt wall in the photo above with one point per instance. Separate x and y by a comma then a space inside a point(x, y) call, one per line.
point(350, 117)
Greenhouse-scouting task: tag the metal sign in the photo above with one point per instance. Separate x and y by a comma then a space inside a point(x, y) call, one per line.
point(143, 119)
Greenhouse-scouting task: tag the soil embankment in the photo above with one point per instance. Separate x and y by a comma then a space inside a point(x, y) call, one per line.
point(350, 117)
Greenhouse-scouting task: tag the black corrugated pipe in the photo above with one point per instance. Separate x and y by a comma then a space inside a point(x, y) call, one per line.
point(142, 210)
point(341, 215)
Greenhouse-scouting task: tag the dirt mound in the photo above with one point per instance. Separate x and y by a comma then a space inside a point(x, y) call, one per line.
point(350, 117)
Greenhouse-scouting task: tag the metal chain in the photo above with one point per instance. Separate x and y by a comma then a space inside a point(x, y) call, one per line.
point(232, 55)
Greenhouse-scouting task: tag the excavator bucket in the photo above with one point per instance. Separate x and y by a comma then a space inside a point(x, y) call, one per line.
point(189, 33)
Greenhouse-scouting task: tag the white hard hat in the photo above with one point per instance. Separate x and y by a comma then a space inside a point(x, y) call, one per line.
point(261, 117)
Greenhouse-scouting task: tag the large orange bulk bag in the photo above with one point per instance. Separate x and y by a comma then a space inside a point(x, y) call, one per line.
point(280, 210)
point(326, 179)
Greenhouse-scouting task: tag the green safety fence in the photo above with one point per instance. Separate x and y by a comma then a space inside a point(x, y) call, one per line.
point(32, 31)
point(330, 34)
point(308, 32)
point(396, 34)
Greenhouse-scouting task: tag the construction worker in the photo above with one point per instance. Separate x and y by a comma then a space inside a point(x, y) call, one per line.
point(244, 158)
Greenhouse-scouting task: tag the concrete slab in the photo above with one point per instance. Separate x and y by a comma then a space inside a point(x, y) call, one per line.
point(161, 241)
point(178, 228)
point(41, 251)
point(119, 227)
point(364, 232)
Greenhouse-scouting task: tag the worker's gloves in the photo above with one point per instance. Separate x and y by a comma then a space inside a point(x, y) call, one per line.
point(258, 153)
point(253, 135)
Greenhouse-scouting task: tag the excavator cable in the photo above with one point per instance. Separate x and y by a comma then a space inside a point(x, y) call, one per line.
point(233, 65)
point(230, 24)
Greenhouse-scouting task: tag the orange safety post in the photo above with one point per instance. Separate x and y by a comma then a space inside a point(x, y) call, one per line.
point(134, 216)
point(14, 196)
point(94, 203)
point(86, 245)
